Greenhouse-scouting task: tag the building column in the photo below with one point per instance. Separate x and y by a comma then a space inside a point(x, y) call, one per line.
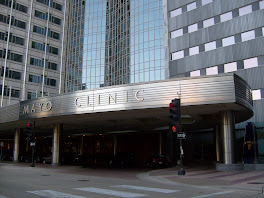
point(218, 144)
point(115, 144)
point(56, 144)
point(16, 145)
point(160, 143)
point(227, 133)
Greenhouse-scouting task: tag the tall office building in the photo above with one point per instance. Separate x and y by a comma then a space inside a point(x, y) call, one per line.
point(27, 28)
point(208, 37)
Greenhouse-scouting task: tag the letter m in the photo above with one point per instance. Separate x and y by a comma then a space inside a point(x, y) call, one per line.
point(25, 111)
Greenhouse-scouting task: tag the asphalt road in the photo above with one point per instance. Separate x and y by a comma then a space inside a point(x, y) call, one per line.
point(75, 182)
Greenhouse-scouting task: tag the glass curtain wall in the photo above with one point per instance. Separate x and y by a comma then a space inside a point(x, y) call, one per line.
point(112, 42)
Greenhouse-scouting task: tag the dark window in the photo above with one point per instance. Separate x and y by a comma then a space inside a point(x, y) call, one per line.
point(12, 38)
point(16, 6)
point(14, 92)
point(41, 15)
point(40, 63)
point(55, 20)
point(38, 79)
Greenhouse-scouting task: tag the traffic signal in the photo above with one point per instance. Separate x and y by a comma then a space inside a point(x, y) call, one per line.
point(175, 115)
point(29, 131)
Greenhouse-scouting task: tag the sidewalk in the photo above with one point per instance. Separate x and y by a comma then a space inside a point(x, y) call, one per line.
point(196, 176)
point(204, 176)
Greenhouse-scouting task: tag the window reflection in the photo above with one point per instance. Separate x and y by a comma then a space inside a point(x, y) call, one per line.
point(117, 42)
point(261, 5)
point(212, 70)
point(256, 94)
point(251, 62)
point(248, 35)
point(210, 46)
point(204, 2)
point(208, 22)
point(177, 33)
point(228, 41)
point(194, 50)
point(230, 67)
point(177, 55)
point(193, 28)
point(195, 73)
point(245, 10)
point(191, 6)
point(225, 17)
point(176, 12)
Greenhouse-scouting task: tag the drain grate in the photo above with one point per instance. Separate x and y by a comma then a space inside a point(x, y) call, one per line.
point(45, 175)
point(256, 183)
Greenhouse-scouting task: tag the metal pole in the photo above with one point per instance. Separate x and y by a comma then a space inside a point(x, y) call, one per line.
point(32, 146)
point(26, 56)
point(62, 46)
point(9, 99)
point(45, 53)
point(181, 171)
point(6, 53)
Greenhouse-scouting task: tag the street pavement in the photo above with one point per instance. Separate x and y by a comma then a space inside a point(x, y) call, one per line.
point(20, 180)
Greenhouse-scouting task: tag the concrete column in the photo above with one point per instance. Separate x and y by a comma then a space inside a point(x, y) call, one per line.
point(115, 144)
point(16, 145)
point(227, 133)
point(160, 143)
point(218, 144)
point(56, 144)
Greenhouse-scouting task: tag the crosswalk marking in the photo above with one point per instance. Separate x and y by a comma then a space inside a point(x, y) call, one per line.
point(160, 190)
point(52, 194)
point(110, 192)
point(210, 195)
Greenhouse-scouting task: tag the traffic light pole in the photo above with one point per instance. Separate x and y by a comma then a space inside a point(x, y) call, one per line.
point(181, 171)
point(32, 145)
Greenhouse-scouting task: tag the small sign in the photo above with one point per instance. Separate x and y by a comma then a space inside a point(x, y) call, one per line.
point(1, 144)
point(181, 135)
point(32, 144)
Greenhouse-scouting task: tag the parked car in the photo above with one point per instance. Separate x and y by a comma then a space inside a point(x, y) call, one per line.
point(157, 161)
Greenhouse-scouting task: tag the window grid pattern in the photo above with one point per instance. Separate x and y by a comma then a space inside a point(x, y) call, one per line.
point(14, 92)
point(12, 38)
point(16, 6)
point(38, 80)
point(212, 45)
point(11, 56)
point(42, 31)
point(11, 74)
point(44, 16)
point(14, 22)
point(189, 7)
point(40, 63)
point(211, 21)
point(41, 47)
point(228, 67)
point(114, 42)
point(53, 4)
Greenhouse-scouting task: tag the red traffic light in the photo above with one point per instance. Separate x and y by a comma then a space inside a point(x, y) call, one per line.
point(29, 124)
